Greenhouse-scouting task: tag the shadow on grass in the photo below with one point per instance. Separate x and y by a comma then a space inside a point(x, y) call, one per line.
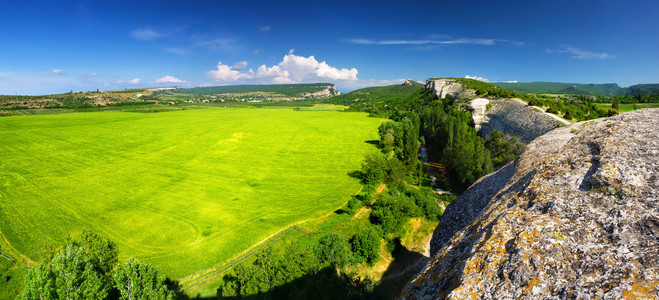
point(356, 174)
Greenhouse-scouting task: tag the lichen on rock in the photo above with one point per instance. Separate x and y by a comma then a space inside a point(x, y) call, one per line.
point(575, 216)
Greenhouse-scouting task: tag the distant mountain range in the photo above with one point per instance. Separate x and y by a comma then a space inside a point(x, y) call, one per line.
point(605, 89)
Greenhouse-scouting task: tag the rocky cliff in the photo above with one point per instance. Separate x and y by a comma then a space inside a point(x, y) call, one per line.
point(576, 216)
point(510, 116)
point(328, 91)
point(513, 117)
point(446, 86)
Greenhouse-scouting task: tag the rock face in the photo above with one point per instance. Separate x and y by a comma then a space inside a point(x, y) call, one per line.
point(444, 86)
point(514, 117)
point(328, 91)
point(576, 216)
point(478, 110)
point(510, 116)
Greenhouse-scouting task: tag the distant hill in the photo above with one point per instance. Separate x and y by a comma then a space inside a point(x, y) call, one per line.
point(304, 90)
point(543, 87)
point(378, 93)
point(650, 89)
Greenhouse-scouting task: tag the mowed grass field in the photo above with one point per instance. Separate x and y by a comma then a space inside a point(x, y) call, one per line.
point(183, 190)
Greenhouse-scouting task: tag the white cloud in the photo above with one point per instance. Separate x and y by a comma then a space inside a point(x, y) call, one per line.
point(177, 51)
point(510, 81)
point(169, 79)
point(266, 28)
point(239, 65)
point(134, 81)
point(222, 44)
point(93, 74)
point(442, 41)
point(292, 69)
point(477, 78)
point(144, 34)
point(581, 53)
point(225, 73)
point(58, 72)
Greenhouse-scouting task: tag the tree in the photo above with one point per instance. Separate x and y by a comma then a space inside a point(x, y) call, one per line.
point(396, 131)
point(103, 253)
point(85, 268)
point(374, 167)
point(615, 104)
point(76, 275)
point(387, 141)
point(332, 249)
point(39, 284)
point(136, 280)
point(366, 245)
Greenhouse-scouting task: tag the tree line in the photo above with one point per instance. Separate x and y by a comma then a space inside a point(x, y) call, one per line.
point(88, 268)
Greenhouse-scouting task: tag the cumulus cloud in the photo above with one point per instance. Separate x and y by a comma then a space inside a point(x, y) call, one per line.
point(57, 72)
point(581, 53)
point(510, 81)
point(292, 69)
point(477, 78)
point(144, 34)
point(93, 74)
point(240, 65)
point(134, 81)
point(265, 28)
point(225, 73)
point(169, 79)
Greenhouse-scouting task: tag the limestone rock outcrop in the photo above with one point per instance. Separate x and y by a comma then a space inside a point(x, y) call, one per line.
point(478, 110)
point(328, 91)
point(514, 117)
point(445, 86)
point(576, 216)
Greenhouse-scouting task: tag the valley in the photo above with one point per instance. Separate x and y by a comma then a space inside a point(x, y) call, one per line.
point(183, 190)
point(210, 190)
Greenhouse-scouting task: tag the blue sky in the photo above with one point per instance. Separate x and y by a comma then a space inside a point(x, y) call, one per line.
point(56, 46)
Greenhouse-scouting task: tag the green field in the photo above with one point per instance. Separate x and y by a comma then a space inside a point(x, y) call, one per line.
point(183, 190)
point(628, 107)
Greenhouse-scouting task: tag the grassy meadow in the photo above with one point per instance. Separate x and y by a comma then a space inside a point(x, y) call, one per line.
point(628, 107)
point(182, 190)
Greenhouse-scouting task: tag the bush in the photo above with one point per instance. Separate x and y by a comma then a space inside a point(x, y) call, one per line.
point(374, 168)
point(366, 245)
point(392, 212)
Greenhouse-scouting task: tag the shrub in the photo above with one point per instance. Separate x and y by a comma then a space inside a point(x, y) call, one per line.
point(366, 245)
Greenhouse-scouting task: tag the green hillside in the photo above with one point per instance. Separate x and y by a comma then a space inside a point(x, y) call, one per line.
point(649, 89)
point(543, 87)
point(289, 90)
point(377, 93)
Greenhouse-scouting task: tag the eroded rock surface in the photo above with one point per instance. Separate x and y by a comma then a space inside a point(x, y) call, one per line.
point(447, 86)
point(515, 118)
point(576, 216)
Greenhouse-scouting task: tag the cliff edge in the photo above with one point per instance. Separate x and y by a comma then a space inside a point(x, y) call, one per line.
point(575, 216)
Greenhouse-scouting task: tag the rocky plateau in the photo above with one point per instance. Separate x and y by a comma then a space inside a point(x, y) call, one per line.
point(575, 216)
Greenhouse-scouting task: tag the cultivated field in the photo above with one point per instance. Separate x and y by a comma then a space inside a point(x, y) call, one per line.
point(628, 107)
point(183, 190)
